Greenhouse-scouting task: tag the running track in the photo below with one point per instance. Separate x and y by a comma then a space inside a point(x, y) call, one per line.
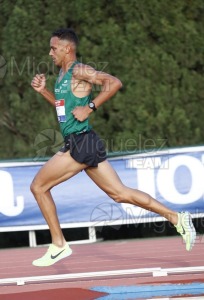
point(103, 271)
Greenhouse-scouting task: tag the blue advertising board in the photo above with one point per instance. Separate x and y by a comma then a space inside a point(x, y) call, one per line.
point(174, 177)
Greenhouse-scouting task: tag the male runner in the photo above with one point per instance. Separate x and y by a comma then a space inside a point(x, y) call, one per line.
point(83, 149)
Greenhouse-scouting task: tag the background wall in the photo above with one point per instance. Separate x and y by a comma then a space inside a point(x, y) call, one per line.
point(171, 176)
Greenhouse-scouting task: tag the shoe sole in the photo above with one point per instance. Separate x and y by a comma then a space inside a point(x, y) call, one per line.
point(52, 262)
point(192, 234)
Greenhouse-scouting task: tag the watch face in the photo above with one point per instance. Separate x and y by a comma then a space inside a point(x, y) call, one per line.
point(92, 106)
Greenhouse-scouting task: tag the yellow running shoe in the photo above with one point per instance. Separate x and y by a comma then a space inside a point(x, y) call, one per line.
point(53, 255)
point(186, 229)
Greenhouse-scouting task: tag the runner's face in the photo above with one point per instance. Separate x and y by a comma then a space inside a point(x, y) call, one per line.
point(58, 50)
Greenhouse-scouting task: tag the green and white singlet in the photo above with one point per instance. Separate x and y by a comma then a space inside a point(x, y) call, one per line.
point(65, 102)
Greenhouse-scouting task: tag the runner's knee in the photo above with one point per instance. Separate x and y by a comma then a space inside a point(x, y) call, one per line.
point(117, 195)
point(35, 188)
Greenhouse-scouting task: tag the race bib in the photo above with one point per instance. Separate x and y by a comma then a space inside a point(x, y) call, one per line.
point(60, 108)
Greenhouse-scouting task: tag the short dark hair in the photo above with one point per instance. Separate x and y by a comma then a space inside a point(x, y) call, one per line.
point(66, 34)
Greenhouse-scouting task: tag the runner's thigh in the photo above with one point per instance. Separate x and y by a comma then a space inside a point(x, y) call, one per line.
point(105, 177)
point(58, 169)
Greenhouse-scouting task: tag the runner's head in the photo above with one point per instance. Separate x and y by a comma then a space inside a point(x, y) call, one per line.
point(66, 34)
point(63, 45)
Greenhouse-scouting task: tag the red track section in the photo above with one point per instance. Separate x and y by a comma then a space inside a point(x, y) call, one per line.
point(63, 294)
point(103, 256)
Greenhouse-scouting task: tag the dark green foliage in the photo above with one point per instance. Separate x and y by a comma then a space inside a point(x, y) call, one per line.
point(155, 47)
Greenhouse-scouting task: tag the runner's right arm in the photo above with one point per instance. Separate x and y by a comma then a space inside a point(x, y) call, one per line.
point(39, 85)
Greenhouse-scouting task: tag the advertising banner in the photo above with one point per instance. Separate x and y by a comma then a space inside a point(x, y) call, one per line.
point(174, 177)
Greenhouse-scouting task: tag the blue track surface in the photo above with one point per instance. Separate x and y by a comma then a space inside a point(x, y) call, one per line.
point(147, 291)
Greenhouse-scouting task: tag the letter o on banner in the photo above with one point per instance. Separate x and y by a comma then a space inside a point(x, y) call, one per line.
point(9, 206)
point(165, 180)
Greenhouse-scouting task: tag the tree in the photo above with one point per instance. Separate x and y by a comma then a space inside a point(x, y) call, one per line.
point(155, 48)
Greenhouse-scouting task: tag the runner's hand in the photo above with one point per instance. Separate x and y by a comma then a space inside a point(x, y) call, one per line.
point(81, 113)
point(38, 82)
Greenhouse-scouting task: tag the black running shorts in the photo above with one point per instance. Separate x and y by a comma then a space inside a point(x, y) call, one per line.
point(86, 148)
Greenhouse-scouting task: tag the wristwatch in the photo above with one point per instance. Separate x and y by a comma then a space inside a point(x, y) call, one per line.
point(92, 106)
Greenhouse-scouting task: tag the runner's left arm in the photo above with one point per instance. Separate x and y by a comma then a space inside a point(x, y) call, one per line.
point(110, 84)
point(109, 87)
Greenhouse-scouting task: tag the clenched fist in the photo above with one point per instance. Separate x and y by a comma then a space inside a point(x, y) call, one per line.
point(38, 82)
